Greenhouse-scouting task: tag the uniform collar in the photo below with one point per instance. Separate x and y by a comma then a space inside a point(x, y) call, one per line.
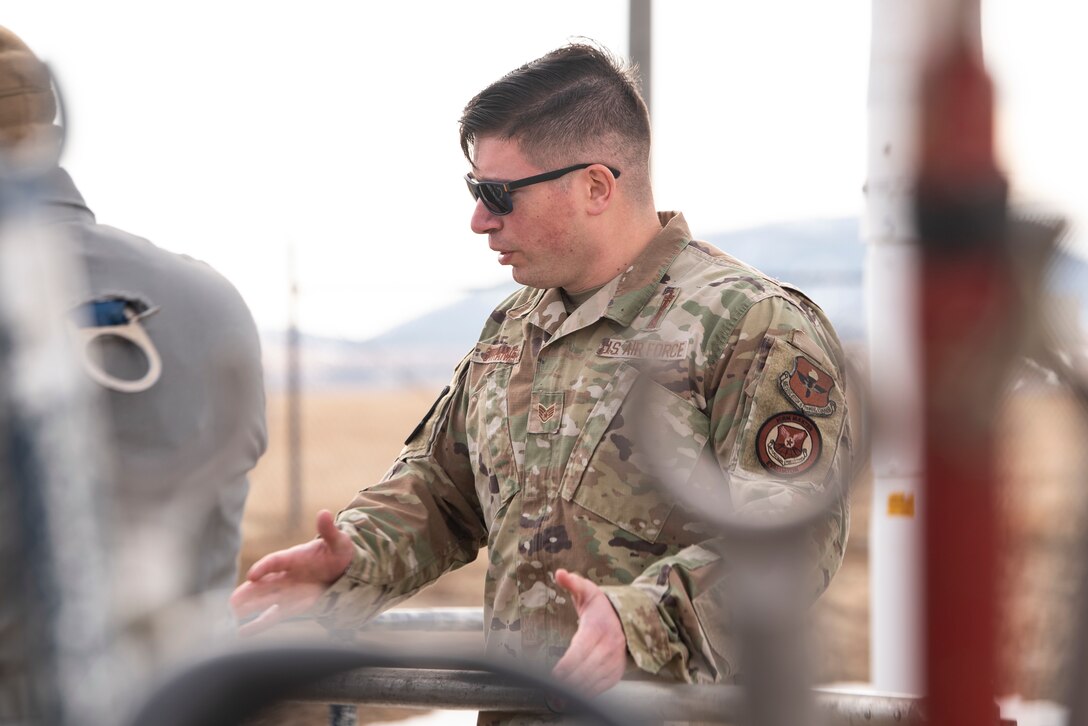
point(639, 283)
point(60, 199)
point(624, 296)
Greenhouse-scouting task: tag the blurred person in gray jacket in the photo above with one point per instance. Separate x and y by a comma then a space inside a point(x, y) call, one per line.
point(175, 353)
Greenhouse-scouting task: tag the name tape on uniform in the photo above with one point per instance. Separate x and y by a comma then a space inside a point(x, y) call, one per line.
point(644, 349)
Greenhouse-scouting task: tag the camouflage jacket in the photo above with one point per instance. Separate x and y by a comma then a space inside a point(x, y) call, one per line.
point(542, 449)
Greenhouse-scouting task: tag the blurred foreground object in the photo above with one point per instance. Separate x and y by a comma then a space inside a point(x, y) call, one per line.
point(971, 324)
point(55, 665)
point(175, 357)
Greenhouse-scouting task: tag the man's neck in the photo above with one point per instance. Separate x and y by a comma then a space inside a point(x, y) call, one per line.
point(574, 300)
point(624, 245)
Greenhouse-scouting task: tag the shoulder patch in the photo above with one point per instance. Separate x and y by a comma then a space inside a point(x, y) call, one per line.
point(788, 444)
point(795, 418)
point(808, 387)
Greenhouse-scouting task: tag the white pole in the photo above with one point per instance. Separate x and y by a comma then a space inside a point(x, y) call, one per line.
point(890, 288)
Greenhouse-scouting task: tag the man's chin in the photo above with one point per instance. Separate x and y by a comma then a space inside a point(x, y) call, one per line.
point(525, 277)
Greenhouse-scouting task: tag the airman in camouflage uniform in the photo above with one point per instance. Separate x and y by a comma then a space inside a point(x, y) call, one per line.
point(533, 452)
point(626, 362)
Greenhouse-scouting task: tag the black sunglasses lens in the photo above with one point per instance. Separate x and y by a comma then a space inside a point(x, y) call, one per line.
point(495, 199)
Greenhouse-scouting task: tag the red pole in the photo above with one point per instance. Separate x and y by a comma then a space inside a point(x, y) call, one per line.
point(966, 317)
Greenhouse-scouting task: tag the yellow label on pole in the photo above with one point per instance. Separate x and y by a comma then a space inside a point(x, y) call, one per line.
point(900, 504)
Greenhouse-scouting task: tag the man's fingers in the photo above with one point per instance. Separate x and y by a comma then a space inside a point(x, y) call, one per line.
point(581, 650)
point(250, 598)
point(589, 670)
point(287, 583)
point(262, 622)
point(241, 600)
point(337, 543)
point(597, 656)
point(309, 560)
point(333, 537)
point(602, 680)
point(565, 665)
point(268, 565)
point(592, 675)
point(580, 588)
point(327, 530)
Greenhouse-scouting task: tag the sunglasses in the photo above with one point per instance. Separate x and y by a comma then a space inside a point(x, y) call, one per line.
point(496, 195)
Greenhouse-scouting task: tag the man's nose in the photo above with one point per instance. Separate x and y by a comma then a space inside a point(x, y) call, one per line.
point(483, 221)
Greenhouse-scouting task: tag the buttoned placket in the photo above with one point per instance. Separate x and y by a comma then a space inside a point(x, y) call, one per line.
point(543, 467)
point(549, 330)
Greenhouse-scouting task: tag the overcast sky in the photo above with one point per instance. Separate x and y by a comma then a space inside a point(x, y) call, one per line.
point(230, 129)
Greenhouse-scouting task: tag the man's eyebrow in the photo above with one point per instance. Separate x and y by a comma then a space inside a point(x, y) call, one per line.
point(489, 180)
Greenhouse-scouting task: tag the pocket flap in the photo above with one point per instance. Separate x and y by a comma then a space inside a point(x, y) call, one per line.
point(635, 434)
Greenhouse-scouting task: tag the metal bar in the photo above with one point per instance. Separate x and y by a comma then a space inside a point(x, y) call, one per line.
point(343, 715)
point(226, 689)
point(426, 688)
point(480, 691)
point(457, 620)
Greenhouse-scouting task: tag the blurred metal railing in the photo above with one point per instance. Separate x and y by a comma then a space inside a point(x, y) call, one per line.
point(228, 689)
point(458, 620)
point(425, 688)
point(481, 691)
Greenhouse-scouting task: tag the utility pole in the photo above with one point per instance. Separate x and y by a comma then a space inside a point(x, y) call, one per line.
point(294, 398)
point(640, 43)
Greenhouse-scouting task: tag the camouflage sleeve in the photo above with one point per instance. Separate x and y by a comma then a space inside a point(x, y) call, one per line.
point(422, 520)
point(780, 435)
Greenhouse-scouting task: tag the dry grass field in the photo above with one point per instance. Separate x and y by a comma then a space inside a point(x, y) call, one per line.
point(349, 439)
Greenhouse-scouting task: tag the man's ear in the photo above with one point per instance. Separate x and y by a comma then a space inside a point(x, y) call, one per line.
point(601, 189)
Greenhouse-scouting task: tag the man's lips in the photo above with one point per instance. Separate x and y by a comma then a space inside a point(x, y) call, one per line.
point(504, 254)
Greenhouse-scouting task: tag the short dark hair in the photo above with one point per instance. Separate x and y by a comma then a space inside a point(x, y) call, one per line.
point(576, 100)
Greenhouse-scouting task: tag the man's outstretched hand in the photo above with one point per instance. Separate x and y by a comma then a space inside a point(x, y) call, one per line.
point(289, 582)
point(597, 655)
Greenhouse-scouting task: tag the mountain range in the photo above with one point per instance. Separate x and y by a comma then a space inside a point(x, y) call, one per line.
point(825, 258)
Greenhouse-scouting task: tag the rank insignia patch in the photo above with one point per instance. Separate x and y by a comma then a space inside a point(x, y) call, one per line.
point(808, 388)
point(788, 444)
point(545, 412)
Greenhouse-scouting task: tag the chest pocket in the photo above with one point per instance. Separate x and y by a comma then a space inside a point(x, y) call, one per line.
point(490, 442)
point(637, 434)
